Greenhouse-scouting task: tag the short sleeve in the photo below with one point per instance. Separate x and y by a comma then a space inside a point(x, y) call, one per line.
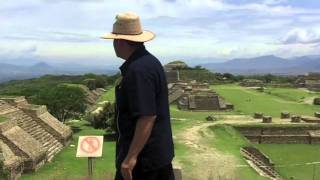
point(141, 93)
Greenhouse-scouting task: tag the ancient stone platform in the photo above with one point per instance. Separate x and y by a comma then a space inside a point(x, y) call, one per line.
point(30, 136)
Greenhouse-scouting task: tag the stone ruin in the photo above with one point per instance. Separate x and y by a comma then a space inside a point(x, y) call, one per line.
point(304, 134)
point(252, 83)
point(258, 115)
point(196, 96)
point(29, 136)
point(310, 81)
point(260, 162)
point(91, 96)
point(172, 70)
point(295, 119)
point(285, 115)
point(266, 119)
point(310, 119)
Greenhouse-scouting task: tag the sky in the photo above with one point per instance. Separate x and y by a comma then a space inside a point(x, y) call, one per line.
point(197, 31)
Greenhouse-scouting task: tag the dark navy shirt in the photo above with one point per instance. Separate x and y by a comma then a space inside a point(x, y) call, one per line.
point(143, 91)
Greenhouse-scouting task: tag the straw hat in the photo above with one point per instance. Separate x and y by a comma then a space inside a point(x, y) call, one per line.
point(128, 27)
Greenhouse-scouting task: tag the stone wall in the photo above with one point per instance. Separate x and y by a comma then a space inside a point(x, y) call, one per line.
point(172, 76)
point(207, 102)
point(281, 135)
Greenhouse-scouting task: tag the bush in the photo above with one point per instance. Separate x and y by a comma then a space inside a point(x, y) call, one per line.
point(103, 117)
point(4, 173)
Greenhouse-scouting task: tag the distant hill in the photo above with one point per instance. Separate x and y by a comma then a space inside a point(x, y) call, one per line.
point(267, 64)
point(32, 87)
point(19, 72)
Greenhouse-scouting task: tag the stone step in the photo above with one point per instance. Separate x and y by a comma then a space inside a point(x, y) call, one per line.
point(48, 142)
point(40, 135)
point(53, 152)
point(9, 109)
point(54, 146)
point(267, 169)
point(36, 131)
point(28, 126)
point(54, 149)
point(25, 120)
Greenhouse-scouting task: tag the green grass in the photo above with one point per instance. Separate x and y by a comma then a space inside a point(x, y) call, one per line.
point(108, 96)
point(249, 101)
point(291, 159)
point(66, 165)
point(228, 140)
point(2, 119)
point(291, 94)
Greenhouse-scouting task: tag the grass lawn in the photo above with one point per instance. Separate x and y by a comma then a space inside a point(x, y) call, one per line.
point(249, 101)
point(2, 119)
point(291, 159)
point(229, 141)
point(65, 165)
point(108, 96)
point(291, 94)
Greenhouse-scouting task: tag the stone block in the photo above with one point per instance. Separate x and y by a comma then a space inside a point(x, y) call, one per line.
point(267, 119)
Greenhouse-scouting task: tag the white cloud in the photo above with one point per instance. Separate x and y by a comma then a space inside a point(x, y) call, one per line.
point(70, 28)
point(274, 2)
point(301, 36)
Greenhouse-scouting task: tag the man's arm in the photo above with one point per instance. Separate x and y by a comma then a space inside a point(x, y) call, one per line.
point(141, 135)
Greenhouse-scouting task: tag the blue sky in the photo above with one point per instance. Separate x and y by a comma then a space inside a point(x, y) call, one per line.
point(198, 31)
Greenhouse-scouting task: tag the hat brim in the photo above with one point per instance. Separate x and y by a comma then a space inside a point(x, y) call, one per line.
point(143, 37)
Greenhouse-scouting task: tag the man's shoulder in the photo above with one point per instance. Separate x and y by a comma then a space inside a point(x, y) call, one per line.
point(146, 62)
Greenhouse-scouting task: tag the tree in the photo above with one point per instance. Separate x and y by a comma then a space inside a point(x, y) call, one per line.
point(63, 101)
point(268, 78)
point(90, 83)
point(103, 117)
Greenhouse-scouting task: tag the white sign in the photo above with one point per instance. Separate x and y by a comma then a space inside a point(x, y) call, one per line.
point(90, 146)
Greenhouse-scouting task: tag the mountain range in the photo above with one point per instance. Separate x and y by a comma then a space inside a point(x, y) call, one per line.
point(246, 66)
point(18, 72)
point(267, 64)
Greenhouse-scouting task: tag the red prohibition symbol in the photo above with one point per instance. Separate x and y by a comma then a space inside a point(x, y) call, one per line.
point(90, 144)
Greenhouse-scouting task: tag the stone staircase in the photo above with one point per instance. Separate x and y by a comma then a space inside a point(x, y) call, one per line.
point(261, 162)
point(29, 125)
point(175, 95)
point(192, 102)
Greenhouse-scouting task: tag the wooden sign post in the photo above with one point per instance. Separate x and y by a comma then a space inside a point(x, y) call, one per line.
point(90, 147)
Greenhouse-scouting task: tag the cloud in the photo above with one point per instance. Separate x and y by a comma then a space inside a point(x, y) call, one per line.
point(52, 36)
point(18, 50)
point(183, 27)
point(301, 36)
point(274, 2)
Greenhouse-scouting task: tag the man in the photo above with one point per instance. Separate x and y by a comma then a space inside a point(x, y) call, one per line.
point(144, 148)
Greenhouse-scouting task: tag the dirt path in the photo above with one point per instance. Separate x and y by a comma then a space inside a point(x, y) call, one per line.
point(309, 100)
point(205, 162)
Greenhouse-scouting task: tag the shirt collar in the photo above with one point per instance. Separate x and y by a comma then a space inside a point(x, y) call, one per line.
point(134, 56)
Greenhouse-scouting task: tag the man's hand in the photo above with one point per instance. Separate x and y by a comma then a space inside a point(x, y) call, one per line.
point(141, 135)
point(127, 166)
